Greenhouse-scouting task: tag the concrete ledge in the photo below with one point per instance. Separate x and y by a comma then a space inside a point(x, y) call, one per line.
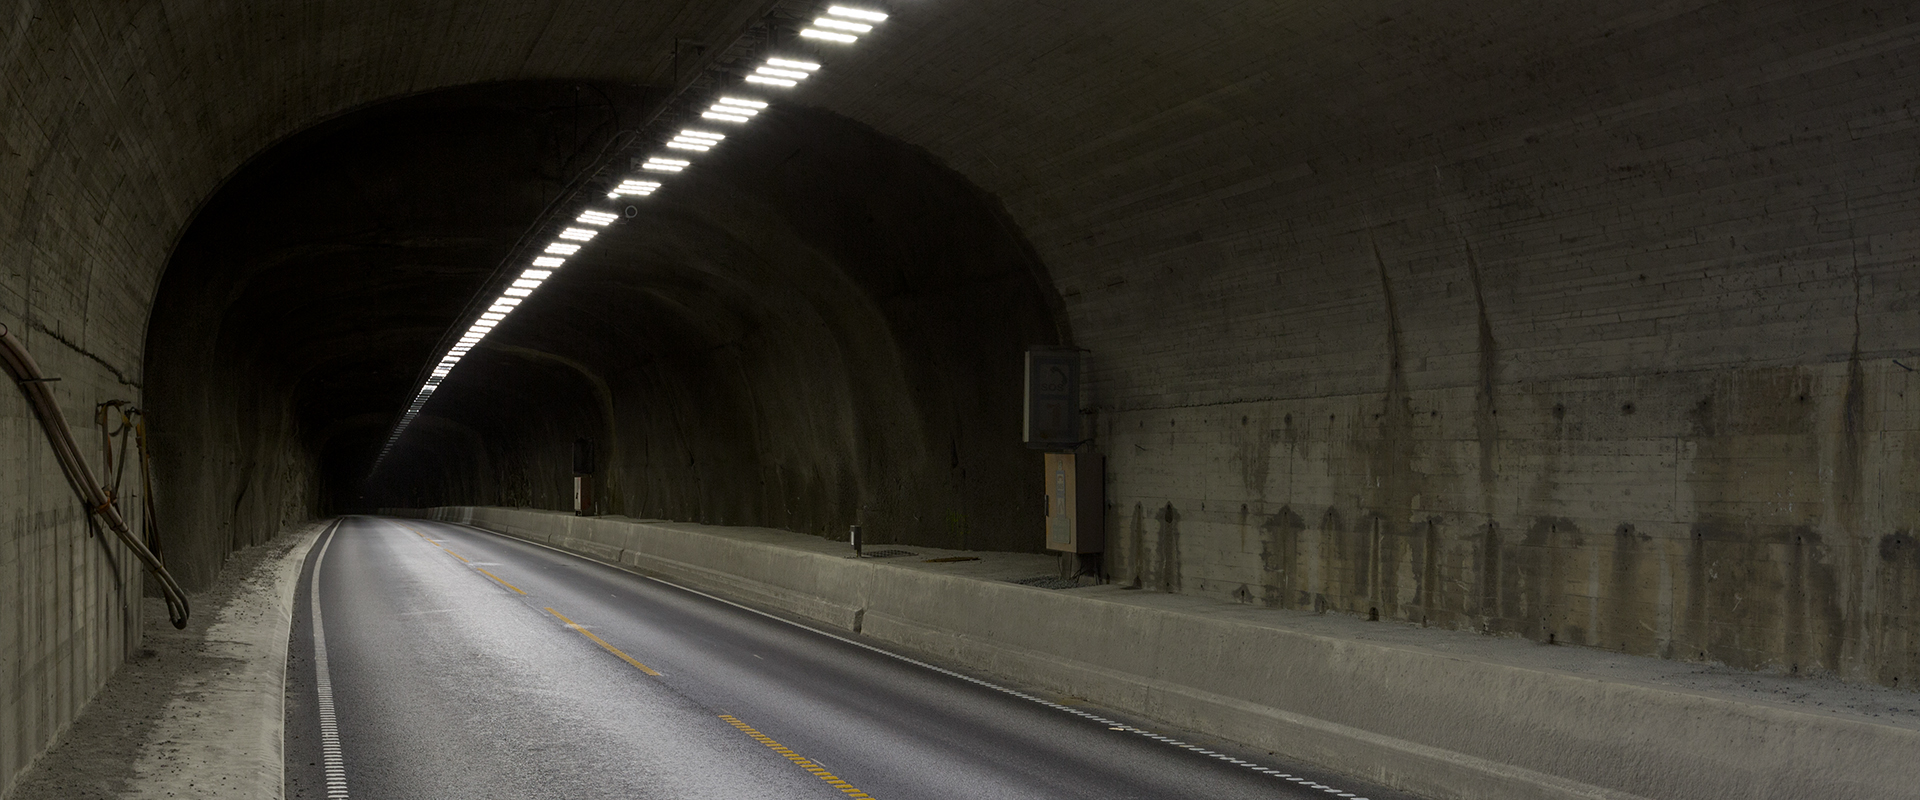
point(1452, 720)
point(223, 735)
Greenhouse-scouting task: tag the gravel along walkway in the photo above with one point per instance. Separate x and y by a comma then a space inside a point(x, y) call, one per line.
point(196, 712)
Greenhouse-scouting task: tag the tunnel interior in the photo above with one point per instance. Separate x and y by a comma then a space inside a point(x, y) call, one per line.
point(824, 329)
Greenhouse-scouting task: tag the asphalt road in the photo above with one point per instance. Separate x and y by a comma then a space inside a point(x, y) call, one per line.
point(462, 664)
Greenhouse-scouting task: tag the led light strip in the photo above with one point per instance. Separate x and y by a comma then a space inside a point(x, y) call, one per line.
point(838, 24)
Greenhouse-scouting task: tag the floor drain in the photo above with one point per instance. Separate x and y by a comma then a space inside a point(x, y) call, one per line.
point(885, 554)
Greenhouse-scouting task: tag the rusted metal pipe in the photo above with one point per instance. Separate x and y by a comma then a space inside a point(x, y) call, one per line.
point(26, 373)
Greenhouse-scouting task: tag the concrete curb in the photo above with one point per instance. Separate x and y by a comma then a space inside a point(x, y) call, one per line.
point(1435, 723)
point(224, 735)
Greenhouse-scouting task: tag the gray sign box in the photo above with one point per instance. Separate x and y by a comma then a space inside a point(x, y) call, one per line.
point(1052, 417)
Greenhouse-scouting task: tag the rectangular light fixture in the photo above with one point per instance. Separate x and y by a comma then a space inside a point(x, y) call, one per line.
point(693, 134)
point(635, 188)
point(525, 284)
point(493, 315)
point(782, 73)
point(681, 145)
point(560, 248)
point(536, 274)
point(596, 218)
point(816, 33)
point(855, 13)
point(791, 64)
point(720, 116)
point(661, 167)
point(842, 25)
point(769, 81)
point(579, 234)
point(518, 292)
point(735, 101)
point(548, 261)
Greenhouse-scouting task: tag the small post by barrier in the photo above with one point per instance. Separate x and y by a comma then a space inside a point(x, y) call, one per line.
point(853, 537)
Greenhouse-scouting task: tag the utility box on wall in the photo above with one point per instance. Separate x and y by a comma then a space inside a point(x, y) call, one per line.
point(583, 477)
point(1076, 503)
point(583, 495)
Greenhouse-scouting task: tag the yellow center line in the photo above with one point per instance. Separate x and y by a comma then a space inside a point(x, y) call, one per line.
point(602, 642)
point(483, 571)
point(463, 559)
point(804, 763)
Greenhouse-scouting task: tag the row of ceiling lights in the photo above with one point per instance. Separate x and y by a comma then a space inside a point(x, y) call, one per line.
point(838, 24)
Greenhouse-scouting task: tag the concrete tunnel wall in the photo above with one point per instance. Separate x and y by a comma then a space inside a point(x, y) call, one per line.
point(1589, 324)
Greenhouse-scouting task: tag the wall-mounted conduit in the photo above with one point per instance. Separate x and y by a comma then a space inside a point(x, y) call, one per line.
point(26, 373)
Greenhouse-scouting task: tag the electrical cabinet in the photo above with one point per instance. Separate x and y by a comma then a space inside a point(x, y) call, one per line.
point(1076, 503)
point(583, 495)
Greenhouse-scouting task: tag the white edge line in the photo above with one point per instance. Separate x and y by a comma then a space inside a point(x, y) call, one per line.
point(333, 765)
point(1167, 740)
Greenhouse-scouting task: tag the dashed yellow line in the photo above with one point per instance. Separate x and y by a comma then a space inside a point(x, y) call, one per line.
point(799, 760)
point(463, 559)
point(483, 571)
point(563, 618)
point(603, 643)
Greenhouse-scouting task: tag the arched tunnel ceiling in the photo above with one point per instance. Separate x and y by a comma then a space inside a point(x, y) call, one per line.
point(821, 313)
point(1080, 116)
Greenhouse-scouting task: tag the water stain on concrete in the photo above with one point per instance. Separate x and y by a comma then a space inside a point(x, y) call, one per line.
point(1169, 577)
point(1392, 481)
point(1253, 442)
point(1136, 546)
point(1485, 407)
point(1279, 551)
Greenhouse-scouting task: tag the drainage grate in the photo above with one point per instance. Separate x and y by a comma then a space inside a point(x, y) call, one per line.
point(885, 554)
point(1048, 582)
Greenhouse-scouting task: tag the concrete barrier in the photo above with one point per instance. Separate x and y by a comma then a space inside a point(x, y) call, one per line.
point(1427, 720)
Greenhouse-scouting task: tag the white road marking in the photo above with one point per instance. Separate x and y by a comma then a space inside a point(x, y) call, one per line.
point(334, 765)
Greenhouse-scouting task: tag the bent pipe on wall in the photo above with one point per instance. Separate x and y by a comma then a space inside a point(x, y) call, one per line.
point(26, 374)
